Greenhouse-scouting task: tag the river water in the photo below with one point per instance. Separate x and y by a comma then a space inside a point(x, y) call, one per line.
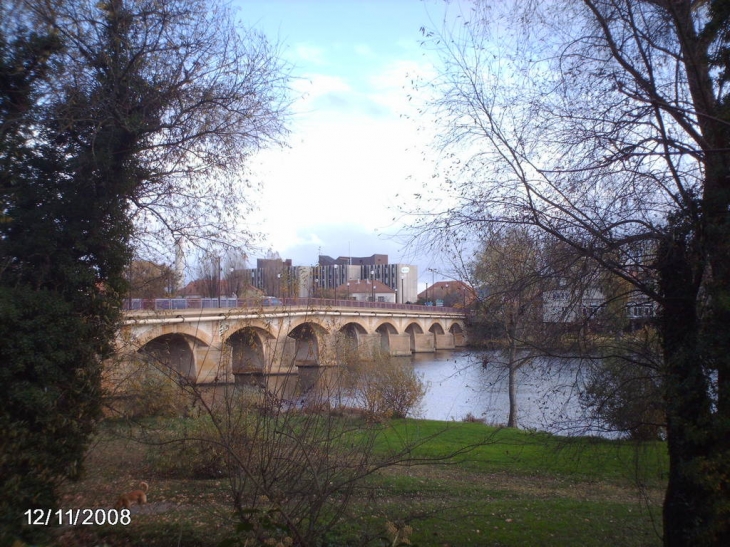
point(460, 384)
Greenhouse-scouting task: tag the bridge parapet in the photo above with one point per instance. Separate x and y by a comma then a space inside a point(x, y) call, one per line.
point(175, 304)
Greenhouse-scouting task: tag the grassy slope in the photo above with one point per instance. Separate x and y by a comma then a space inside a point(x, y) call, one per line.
point(514, 488)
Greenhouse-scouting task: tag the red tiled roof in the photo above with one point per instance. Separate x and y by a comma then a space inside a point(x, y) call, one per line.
point(442, 288)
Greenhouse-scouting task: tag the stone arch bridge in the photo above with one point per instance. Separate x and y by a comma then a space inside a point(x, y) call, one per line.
point(219, 344)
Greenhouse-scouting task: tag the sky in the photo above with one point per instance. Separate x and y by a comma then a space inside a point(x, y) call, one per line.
point(358, 149)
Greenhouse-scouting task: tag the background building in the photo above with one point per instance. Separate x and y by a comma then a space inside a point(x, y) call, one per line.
point(329, 279)
point(402, 278)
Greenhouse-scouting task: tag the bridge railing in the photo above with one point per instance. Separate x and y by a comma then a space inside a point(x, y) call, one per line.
point(133, 304)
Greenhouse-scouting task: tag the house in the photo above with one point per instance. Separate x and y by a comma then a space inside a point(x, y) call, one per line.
point(567, 306)
point(365, 290)
point(449, 293)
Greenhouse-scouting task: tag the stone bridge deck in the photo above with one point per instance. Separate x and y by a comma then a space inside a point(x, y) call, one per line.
point(207, 344)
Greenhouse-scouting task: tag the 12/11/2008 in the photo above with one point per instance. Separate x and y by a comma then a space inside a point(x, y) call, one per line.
point(75, 517)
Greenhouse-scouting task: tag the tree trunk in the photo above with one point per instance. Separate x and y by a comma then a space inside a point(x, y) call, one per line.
point(690, 508)
point(512, 368)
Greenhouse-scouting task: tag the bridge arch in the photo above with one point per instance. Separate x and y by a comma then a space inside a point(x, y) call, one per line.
point(306, 336)
point(436, 328)
point(412, 330)
point(174, 351)
point(191, 332)
point(459, 333)
point(353, 330)
point(348, 340)
point(246, 346)
point(386, 327)
point(385, 330)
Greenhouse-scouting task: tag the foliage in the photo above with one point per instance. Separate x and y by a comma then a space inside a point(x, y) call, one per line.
point(49, 401)
point(384, 386)
point(513, 272)
point(292, 469)
point(291, 474)
point(625, 401)
point(144, 388)
point(625, 389)
point(61, 251)
point(150, 280)
point(187, 450)
point(196, 95)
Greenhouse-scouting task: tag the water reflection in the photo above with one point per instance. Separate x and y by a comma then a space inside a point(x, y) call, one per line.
point(458, 384)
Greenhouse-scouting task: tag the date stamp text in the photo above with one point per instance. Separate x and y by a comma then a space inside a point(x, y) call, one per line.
point(77, 517)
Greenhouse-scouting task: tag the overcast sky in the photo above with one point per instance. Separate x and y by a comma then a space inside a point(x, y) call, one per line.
point(355, 153)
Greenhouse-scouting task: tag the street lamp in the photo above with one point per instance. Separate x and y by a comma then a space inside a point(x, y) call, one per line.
point(231, 280)
point(218, 271)
point(433, 282)
point(335, 280)
point(372, 284)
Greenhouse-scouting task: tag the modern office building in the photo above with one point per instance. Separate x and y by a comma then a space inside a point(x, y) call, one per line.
point(402, 278)
point(329, 279)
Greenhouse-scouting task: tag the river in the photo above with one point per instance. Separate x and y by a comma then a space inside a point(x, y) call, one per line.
point(458, 384)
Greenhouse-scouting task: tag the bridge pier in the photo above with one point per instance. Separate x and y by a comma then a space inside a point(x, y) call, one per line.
point(399, 345)
point(444, 341)
point(284, 356)
point(369, 345)
point(422, 343)
point(214, 365)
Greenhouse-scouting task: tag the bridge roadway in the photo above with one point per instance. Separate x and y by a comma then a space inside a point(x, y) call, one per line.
point(206, 344)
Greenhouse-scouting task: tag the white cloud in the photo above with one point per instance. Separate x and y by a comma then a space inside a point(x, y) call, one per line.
point(315, 89)
point(356, 153)
point(364, 50)
point(352, 171)
point(310, 54)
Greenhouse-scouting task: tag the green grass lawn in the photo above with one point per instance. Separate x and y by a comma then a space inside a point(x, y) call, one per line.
point(512, 488)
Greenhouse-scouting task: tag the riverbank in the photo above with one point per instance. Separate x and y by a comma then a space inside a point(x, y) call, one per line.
point(514, 488)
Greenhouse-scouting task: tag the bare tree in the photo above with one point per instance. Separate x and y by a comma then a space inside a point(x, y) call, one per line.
point(150, 280)
point(208, 282)
point(509, 269)
point(237, 282)
point(537, 299)
point(610, 134)
point(196, 91)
